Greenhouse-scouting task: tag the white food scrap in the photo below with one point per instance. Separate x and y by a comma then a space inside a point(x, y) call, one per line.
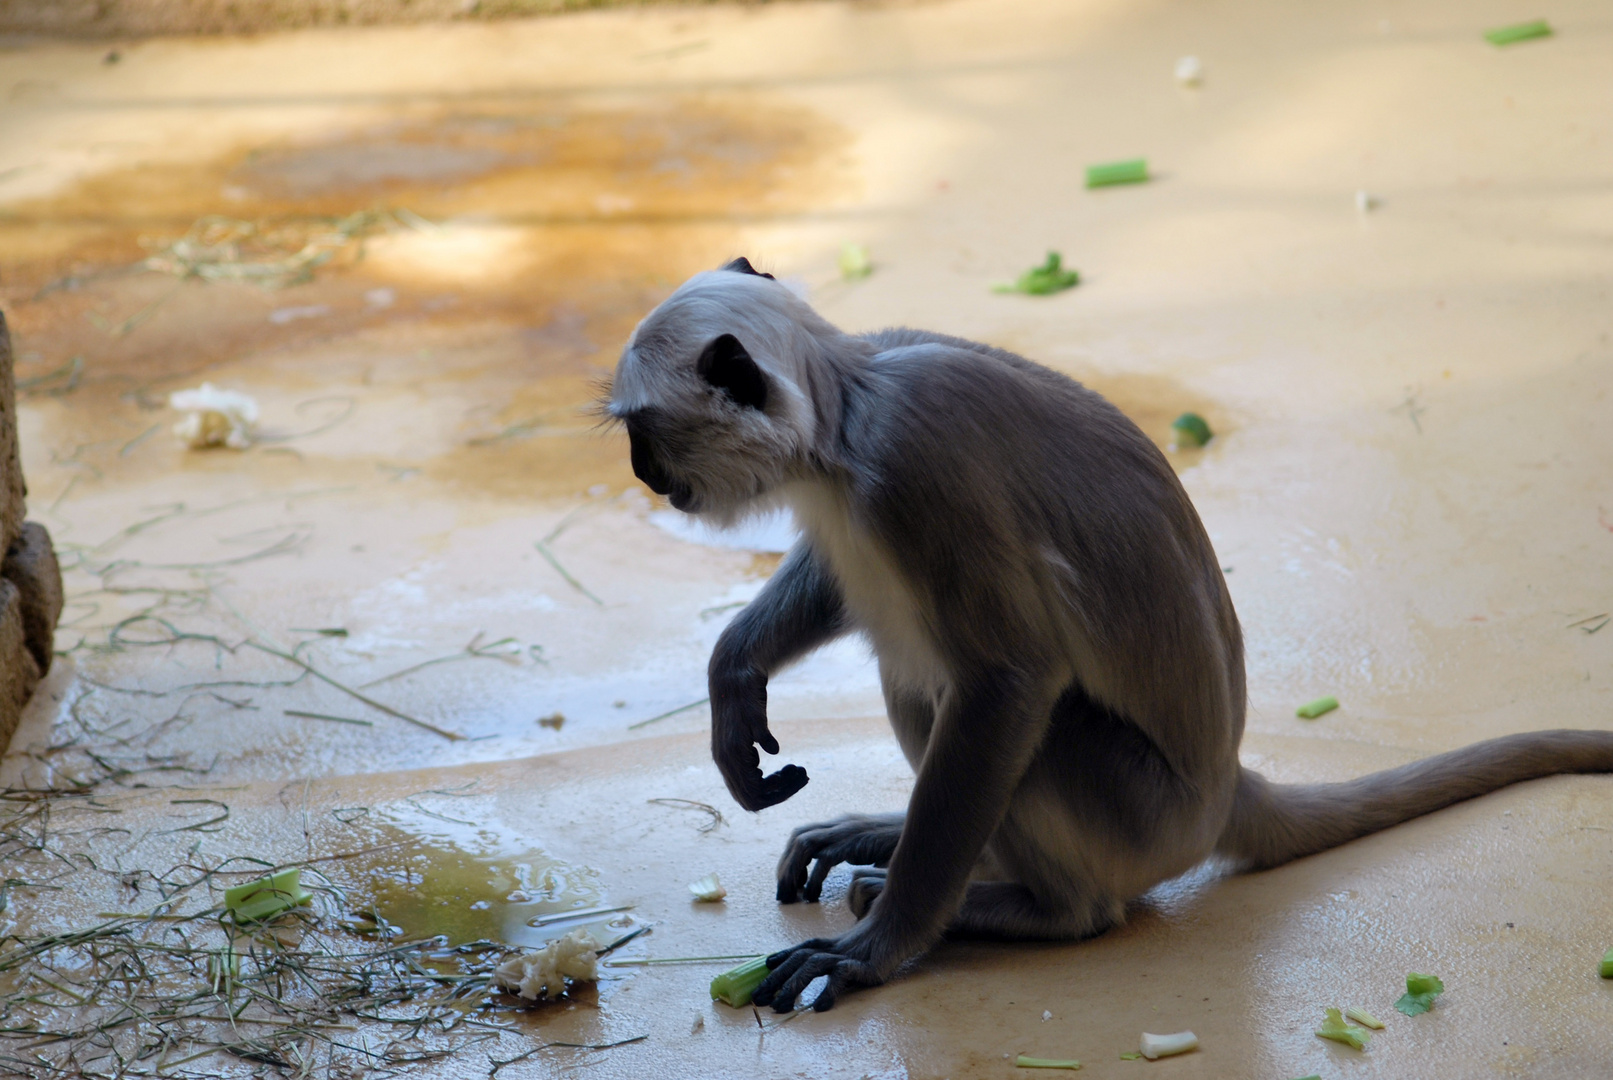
point(214, 417)
point(1155, 1047)
point(708, 889)
point(544, 974)
point(1189, 71)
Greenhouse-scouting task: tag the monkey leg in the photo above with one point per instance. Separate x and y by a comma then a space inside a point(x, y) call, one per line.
point(1004, 910)
point(1009, 910)
point(863, 839)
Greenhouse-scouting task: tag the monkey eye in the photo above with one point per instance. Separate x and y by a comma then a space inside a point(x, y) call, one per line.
point(726, 366)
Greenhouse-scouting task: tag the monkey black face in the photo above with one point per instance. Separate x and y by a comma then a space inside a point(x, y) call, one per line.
point(646, 431)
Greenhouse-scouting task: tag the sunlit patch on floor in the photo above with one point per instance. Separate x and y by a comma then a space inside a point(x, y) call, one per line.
point(477, 267)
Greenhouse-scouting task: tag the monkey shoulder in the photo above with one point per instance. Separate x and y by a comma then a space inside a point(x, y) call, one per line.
point(928, 403)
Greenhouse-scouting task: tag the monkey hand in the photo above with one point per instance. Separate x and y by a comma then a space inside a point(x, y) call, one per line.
point(851, 961)
point(860, 839)
point(738, 727)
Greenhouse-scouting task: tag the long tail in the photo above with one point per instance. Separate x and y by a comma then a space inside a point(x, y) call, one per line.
point(1274, 823)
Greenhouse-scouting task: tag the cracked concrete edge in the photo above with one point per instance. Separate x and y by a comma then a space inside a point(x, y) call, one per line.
point(30, 579)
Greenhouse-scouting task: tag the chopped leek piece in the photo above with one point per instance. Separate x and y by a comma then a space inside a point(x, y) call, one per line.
point(1158, 1046)
point(1134, 171)
point(854, 262)
point(1607, 964)
point(735, 986)
point(1507, 35)
point(1312, 709)
point(1334, 1027)
point(1044, 280)
point(708, 889)
point(1191, 430)
point(1364, 1018)
point(1131, 1055)
point(266, 897)
point(1045, 1063)
point(1421, 990)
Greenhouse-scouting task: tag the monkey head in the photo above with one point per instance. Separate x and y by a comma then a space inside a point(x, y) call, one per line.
point(712, 391)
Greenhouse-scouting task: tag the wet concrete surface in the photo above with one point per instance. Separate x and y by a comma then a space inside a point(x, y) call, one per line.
point(1408, 489)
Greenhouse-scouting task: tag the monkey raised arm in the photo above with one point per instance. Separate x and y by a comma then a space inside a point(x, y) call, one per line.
point(798, 610)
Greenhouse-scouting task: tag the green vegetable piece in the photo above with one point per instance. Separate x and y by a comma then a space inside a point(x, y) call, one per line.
point(1132, 1055)
point(266, 897)
point(1364, 1018)
point(1508, 35)
point(1424, 984)
point(1312, 709)
point(854, 262)
point(1045, 1063)
point(1607, 965)
point(1312, 1076)
point(1191, 430)
point(1334, 1027)
point(735, 986)
point(1421, 990)
point(1050, 277)
point(1134, 171)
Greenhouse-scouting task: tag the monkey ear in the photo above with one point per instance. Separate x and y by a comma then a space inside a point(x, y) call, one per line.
point(742, 265)
point(726, 365)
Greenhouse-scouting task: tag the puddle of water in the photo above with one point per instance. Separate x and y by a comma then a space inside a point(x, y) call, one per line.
point(430, 885)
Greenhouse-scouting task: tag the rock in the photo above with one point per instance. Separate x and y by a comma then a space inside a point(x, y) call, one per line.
point(13, 491)
point(30, 565)
point(18, 672)
point(30, 580)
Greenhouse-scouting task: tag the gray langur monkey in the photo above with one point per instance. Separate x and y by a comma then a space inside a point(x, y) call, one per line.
point(1058, 651)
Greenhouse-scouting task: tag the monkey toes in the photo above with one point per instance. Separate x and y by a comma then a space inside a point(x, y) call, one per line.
point(860, 839)
point(866, 885)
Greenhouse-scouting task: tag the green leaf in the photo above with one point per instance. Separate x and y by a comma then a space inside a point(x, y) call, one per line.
point(1050, 277)
point(1191, 429)
point(1424, 984)
point(1421, 990)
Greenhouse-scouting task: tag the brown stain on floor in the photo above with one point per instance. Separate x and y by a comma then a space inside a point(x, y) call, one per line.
point(595, 214)
point(600, 210)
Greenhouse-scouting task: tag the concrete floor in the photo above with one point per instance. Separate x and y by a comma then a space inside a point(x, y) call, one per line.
point(1409, 488)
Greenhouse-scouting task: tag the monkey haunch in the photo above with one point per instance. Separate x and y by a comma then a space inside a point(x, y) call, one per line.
point(1059, 655)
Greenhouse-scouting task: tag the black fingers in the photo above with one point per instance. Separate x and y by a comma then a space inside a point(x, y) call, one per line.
point(782, 785)
point(794, 969)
